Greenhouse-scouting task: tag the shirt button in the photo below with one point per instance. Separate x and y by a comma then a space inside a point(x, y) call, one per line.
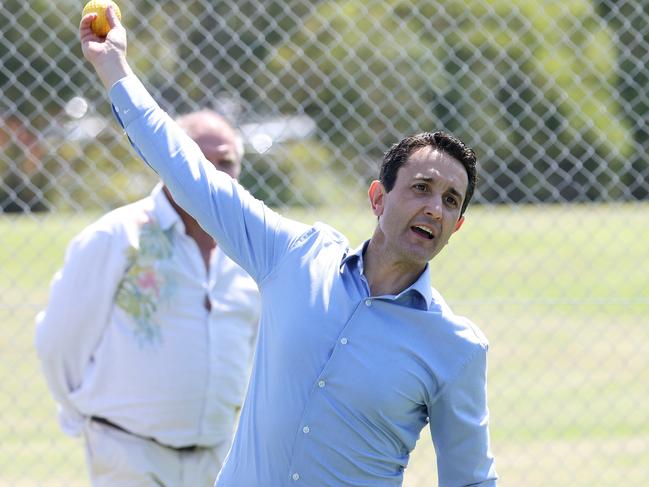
point(306, 429)
point(343, 341)
point(368, 302)
point(295, 476)
point(321, 383)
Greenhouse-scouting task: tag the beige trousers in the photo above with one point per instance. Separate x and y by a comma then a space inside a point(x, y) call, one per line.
point(118, 459)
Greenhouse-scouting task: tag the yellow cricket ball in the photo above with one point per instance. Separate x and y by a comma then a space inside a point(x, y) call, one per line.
point(100, 25)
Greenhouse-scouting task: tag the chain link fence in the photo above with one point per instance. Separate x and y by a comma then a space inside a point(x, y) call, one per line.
point(552, 263)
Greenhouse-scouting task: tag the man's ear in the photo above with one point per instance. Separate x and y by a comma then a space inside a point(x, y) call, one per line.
point(376, 193)
point(459, 223)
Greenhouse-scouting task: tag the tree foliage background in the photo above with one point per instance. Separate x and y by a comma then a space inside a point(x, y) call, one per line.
point(552, 95)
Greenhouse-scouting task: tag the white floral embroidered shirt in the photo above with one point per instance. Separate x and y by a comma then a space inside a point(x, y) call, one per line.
point(127, 335)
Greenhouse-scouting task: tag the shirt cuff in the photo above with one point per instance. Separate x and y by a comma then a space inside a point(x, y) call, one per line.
point(130, 99)
point(71, 421)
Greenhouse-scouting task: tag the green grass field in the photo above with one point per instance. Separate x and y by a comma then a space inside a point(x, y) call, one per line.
point(562, 292)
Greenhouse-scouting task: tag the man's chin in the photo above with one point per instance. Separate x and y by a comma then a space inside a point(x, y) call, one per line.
point(418, 256)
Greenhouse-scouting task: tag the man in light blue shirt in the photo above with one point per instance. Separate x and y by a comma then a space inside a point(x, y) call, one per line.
point(356, 352)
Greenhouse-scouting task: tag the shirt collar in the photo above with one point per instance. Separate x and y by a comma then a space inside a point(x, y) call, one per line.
point(422, 286)
point(165, 214)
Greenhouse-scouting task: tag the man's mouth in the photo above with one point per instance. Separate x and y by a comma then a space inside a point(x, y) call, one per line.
point(423, 231)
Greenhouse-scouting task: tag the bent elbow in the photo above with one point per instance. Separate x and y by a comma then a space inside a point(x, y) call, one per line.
point(46, 341)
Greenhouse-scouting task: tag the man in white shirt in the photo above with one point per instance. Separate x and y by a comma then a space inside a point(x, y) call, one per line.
point(147, 339)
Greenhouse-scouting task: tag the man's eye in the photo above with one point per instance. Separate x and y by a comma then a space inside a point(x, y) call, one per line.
point(420, 187)
point(451, 201)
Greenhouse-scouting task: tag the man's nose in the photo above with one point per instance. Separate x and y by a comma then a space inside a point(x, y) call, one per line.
point(434, 207)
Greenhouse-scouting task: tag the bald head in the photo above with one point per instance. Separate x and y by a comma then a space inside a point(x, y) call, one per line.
point(218, 140)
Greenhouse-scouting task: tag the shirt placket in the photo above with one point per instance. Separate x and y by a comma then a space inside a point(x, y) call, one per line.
point(207, 275)
point(319, 388)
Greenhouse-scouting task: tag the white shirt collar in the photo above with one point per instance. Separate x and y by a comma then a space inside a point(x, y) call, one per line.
point(165, 214)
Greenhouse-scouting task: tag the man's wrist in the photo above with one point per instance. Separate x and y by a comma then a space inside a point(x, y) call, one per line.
point(111, 73)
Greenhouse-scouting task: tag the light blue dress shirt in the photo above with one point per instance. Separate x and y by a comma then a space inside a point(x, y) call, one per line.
point(343, 381)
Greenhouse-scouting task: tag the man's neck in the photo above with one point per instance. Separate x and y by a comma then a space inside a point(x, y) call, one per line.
point(384, 273)
point(204, 241)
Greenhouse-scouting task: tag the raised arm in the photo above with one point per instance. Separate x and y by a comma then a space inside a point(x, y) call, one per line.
point(250, 233)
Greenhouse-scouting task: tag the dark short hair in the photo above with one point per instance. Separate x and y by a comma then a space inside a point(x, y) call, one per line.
point(399, 153)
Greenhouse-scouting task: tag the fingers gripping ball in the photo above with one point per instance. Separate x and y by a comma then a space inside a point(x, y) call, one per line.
point(100, 25)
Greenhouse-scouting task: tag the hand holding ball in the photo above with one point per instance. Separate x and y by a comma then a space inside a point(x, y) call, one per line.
point(100, 25)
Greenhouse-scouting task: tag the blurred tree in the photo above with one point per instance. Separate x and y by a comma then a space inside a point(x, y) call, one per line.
point(33, 89)
point(525, 83)
point(521, 81)
point(217, 59)
point(48, 157)
point(629, 20)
